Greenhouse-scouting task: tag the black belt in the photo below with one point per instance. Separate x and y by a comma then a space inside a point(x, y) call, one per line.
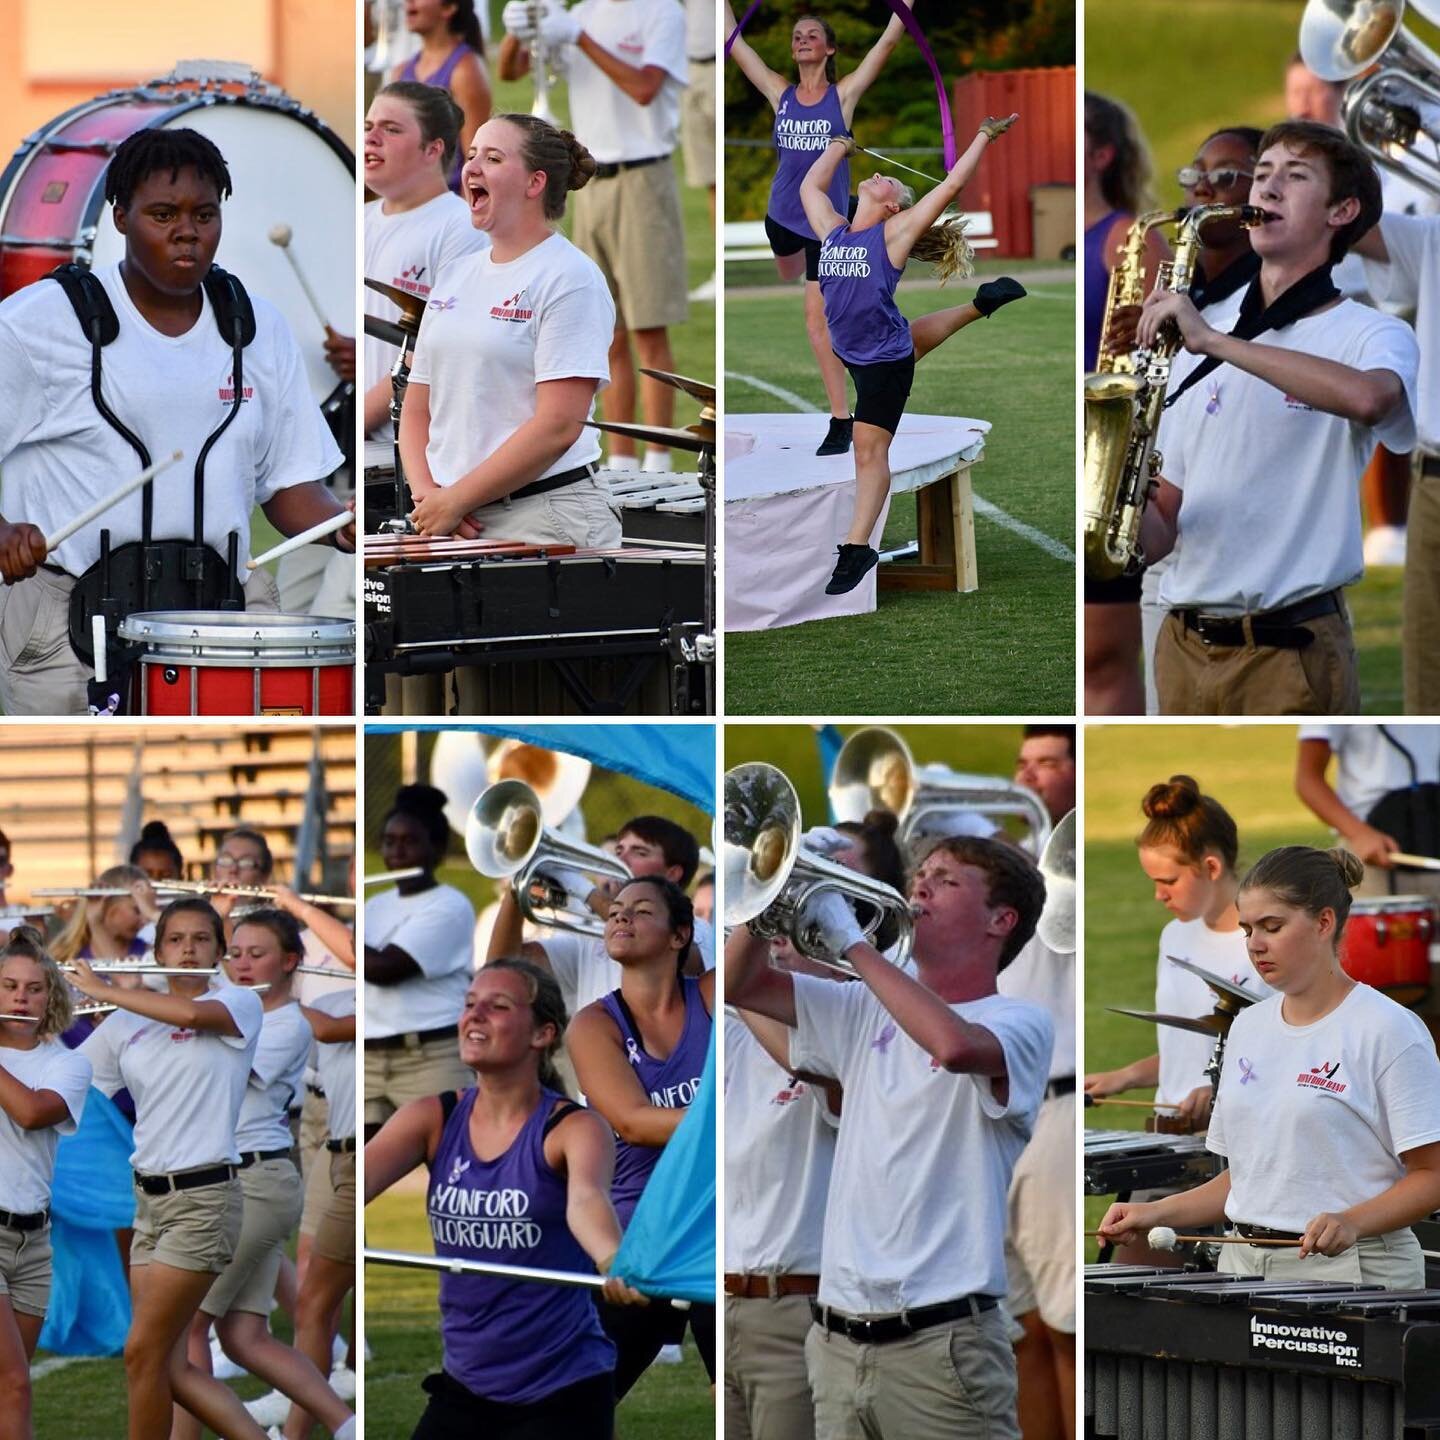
point(1065, 1085)
point(552, 482)
point(38, 1221)
point(700, 60)
point(315, 1090)
point(1264, 1232)
point(341, 1147)
point(190, 1180)
point(1280, 629)
point(609, 172)
point(878, 1329)
point(1429, 464)
point(413, 1040)
point(254, 1157)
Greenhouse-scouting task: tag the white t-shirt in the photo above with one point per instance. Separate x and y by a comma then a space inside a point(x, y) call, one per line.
point(1047, 979)
point(923, 1163)
point(27, 1157)
point(699, 29)
point(337, 1068)
point(1370, 766)
point(433, 929)
point(1183, 1056)
point(1412, 279)
point(1271, 511)
point(58, 455)
point(585, 972)
point(779, 1147)
point(611, 125)
point(408, 250)
point(492, 333)
point(188, 1085)
point(277, 1081)
point(1314, 1118)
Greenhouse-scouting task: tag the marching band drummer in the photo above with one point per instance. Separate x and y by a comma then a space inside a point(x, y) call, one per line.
point(522, 1360)
point(42, 1096)
point(861, 261)
point(265, 949)
point(1329, 1103)
point(168, 381)
point(639, 1054)
point(185, 1054)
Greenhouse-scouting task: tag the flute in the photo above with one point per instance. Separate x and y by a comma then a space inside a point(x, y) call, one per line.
point(387, 877)
point(251, 892)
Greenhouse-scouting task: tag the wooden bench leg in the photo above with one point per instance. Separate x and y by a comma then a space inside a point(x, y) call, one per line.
point(945, 525)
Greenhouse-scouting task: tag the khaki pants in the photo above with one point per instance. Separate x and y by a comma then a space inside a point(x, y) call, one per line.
point(697, 125)
point(767, 1389)
point(1040, 1237)
point(1199, 679)
point(1420, 622)
point(39, 673)
point(950, 1382)
point(395, 1077)
point(1391, 1262)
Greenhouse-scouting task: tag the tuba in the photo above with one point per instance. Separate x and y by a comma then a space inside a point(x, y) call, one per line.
point(1122, 413)
point(506, 838)
point(769, 876)
point(1394, 111)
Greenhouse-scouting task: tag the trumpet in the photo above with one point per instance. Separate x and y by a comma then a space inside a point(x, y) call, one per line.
point(875, 770)
point(1392, 110)
point(540, 68)
point(506, 838)
point(770, 877)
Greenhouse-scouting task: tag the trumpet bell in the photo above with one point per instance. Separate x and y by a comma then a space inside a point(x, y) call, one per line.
point(874, 771)
point(762, 839)
point(1056, 927)
point(1339, 39)
point(558, 779)
point(504, 829)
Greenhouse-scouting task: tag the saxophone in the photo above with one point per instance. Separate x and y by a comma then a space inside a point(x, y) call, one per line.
point(1124, 398)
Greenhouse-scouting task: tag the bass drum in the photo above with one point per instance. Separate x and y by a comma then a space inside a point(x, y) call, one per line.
point(287, 167)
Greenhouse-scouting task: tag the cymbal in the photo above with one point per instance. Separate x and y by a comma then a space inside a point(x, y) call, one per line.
point(388, 331)
point(697, 388)
point(1237, 993)
point(700, 442)
point(412, 307)
point(1217, 1024)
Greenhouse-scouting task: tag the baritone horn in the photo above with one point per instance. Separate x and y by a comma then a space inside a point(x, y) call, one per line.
point(506, 838)
point(1393, 113)
point(1056, 926)
point(876, 771)
point(770, 877)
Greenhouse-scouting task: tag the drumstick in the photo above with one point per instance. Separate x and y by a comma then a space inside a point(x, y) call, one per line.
point(1416, 862)
point(328, 526)
point(281, 235)
point(1208, 1240)
point(1134, 1104)
point(385, 877)
point(100, 506)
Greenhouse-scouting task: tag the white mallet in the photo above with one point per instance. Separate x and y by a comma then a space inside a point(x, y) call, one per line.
point(327, 526)
point(281, 235)
point(1162, 1237)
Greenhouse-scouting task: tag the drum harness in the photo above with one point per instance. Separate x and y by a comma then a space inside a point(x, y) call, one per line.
point(149, 574)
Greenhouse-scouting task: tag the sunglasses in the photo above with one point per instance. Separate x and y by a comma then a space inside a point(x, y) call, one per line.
point(1191, 175)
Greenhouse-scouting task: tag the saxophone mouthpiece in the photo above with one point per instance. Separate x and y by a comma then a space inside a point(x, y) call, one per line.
point(1251, 215)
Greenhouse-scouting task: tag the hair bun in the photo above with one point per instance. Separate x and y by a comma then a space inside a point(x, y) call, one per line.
point(155, 832)
point(421, 799)
point(1172, 799)
point(582, 162)
point(26, 940)
point(1350, 865)
point(885, 821)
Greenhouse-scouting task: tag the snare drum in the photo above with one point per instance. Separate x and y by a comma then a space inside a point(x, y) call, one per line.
point(225, 662)
point(1386, 943)
point(288, 168)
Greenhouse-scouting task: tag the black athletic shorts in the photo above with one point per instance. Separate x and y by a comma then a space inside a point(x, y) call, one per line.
point(784, 241)
point(881, 391)
point(1123, 591)
point(582, 1411)
point(639, 1332)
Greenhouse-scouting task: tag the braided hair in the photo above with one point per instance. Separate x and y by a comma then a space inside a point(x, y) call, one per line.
point(148, 151)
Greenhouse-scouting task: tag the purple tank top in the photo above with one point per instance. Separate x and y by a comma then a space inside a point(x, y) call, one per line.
point(1097, 284)
point(441, 78)
point(857, 284)
point(510, 1340)
point(670, 1083)
point(801, 133)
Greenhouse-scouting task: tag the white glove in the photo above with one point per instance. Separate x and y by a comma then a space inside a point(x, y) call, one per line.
point(575, 883)
point(825, 840)
point(829, 912)
point(519, 20)
point(559, 26)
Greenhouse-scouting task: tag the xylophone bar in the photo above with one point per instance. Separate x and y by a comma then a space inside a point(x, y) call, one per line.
point(403, 549)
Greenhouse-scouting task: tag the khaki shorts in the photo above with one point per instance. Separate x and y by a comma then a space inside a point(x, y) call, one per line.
point(189, 1229)
point(319, 1194)
point(767, 1389)
point(1040, 1236)
point(580, 514)
point(1391, 1262)
point(1420, 618)
point(335, 1234)
point(314, 1129)
point(395, 1077)
point(25, 1269)
point(273, 1201)
point(697, 120)
point(630, 226)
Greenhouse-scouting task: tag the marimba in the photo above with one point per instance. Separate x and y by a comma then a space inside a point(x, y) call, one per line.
point(1119, 1161)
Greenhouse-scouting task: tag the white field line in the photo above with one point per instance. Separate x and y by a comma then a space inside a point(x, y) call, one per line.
point(42, 1368)
point(988, 509)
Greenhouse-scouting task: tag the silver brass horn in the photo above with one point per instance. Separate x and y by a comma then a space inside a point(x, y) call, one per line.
point(506, 839)
point(875, 770)
point(769, 876)
point(1390, 112)
point(1056, 927)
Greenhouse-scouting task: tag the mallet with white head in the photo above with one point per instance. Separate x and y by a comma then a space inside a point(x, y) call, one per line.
point(282, 235)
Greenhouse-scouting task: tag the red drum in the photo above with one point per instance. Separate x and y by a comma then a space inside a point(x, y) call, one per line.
point(287, 167)
point(225, 662)
point(1386, 943)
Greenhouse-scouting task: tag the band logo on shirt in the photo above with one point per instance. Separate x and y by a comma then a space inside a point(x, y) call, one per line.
point(791, 1091)
point(512, 310)
point(1291, 403)
point(800, 134)
point(844, 262)
point(483, 1219)
point(227, 391)
point(676, 1097)
point(1321, 1077)
point(409, 280)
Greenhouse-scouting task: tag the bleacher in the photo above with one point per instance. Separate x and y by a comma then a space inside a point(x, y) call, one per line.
point(64, 789)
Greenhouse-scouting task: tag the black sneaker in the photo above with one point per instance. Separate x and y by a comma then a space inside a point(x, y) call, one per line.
point(854, 564)
point(837, 437)
point(995, 293)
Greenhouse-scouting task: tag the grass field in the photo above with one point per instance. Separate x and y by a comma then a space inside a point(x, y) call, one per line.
point(670, 1402)
point(1249, 770)
point(1007, 648)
